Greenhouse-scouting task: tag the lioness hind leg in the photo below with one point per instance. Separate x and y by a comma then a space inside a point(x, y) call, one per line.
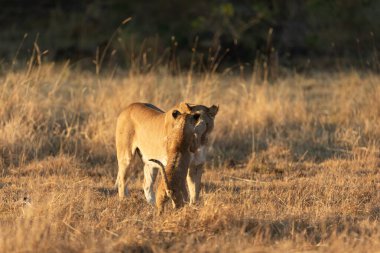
point(194, 182)
point(123, 163)
point(150, 174)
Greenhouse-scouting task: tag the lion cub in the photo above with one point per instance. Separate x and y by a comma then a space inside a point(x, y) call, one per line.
point(181, 141)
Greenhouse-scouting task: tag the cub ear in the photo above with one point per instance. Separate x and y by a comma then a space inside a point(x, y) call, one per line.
point(185, 107)
point(213, 110)
point(175, 114)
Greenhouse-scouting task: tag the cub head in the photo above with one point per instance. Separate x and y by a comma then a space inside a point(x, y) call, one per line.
point(181, 134)
point(205, 123)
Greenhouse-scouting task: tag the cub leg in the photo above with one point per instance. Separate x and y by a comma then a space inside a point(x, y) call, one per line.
point(161, 197)
point(150, 174)
point(185, 194)
point(178, 194)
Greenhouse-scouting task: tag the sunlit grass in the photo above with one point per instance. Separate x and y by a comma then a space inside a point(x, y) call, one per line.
point(293, 165)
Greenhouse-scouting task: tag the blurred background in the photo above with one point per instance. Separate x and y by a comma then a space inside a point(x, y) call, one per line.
point(214, 34)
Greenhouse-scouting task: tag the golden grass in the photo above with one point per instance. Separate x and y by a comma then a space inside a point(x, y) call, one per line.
point(293, 166)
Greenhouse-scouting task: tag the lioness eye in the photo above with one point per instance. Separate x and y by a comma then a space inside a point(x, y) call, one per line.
point(196, 116)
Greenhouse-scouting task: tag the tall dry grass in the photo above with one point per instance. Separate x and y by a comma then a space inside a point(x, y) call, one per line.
point(293, 165)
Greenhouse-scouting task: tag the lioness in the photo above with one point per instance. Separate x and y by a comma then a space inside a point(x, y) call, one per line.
point(207, 117)
point(180, 141)
point(143, 128)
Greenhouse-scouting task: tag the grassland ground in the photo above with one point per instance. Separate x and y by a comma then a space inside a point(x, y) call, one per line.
point(293, 165)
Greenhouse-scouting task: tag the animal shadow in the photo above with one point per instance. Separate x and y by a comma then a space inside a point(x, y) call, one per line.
point(106, 191)
point(210, 187)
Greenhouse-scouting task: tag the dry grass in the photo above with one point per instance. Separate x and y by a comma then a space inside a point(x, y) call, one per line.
point(293, 166)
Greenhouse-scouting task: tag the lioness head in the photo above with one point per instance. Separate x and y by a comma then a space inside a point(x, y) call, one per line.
point(205, 123)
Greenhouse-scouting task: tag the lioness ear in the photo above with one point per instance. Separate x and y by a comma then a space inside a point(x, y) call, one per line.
point(175, 114)
point(185, 107)
point(213, 110)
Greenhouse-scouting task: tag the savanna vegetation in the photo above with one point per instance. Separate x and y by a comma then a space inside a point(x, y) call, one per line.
point(293, 165)
point(294, 158)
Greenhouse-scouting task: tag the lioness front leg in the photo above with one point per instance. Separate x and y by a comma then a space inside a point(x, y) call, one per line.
point(194, 182)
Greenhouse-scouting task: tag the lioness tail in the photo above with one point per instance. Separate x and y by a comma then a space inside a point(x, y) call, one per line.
point(164, 177)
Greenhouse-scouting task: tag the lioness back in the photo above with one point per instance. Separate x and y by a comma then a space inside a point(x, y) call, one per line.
point(140, 126)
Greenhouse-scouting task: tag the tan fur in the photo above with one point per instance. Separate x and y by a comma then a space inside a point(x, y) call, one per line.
point(143, 128)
